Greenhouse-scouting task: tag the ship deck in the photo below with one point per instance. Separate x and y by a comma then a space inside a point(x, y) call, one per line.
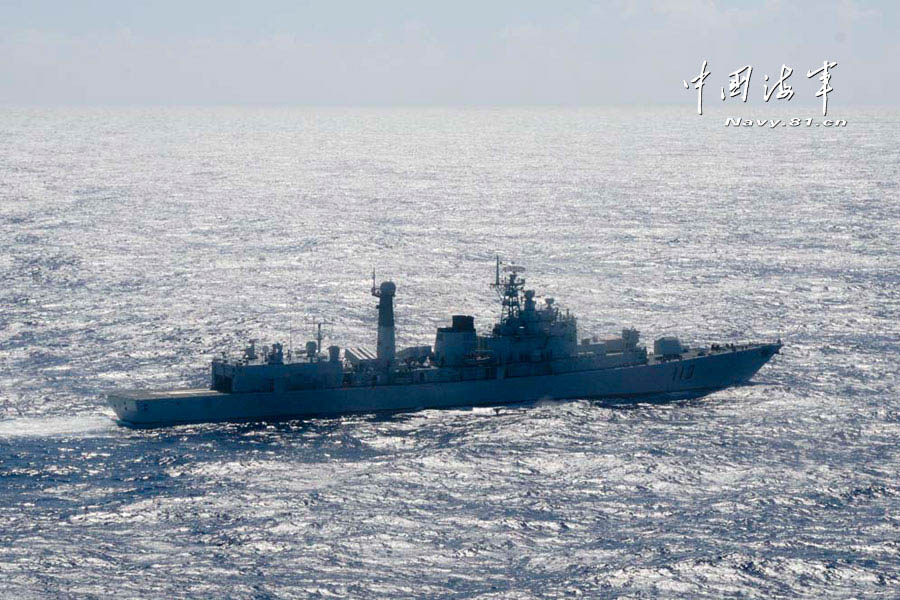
point(195, 393)
point(165, 394)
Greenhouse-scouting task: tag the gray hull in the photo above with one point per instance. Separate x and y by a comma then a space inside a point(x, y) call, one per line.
point(687, 376)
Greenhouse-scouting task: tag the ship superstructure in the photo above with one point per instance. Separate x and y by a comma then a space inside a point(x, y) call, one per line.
point(532, 352)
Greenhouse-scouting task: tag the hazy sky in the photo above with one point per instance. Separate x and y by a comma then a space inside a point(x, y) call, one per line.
point(419, 52)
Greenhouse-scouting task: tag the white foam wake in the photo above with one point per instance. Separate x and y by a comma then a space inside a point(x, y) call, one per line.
point(89, 424)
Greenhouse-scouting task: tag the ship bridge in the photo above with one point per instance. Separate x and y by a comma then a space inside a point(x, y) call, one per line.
point(527, 331)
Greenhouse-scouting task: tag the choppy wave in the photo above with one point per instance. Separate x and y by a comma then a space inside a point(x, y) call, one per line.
point(142, 242)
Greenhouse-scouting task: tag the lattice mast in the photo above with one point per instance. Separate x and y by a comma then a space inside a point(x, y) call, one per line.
point(509, 289)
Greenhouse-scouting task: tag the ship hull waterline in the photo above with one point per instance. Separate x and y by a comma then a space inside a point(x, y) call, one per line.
point(669, 379)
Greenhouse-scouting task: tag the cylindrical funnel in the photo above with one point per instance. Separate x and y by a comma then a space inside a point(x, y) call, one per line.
point(386, 348)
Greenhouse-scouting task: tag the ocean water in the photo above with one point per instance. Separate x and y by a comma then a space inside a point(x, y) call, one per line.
point(138, 243)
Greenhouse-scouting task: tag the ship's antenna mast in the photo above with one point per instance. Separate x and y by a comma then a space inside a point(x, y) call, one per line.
point(509, 289)
point(496, 286)
point(291, 318)
point(317, 323)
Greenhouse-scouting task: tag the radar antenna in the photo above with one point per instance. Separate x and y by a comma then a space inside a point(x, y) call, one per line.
point(509, 289)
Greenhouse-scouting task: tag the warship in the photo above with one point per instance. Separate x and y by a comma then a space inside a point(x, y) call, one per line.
point(532, 353)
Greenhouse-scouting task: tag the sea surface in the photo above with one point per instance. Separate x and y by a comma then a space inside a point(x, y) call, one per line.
point(138, 243)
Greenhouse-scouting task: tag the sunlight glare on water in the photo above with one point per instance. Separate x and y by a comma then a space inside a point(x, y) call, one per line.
point(138, 243)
